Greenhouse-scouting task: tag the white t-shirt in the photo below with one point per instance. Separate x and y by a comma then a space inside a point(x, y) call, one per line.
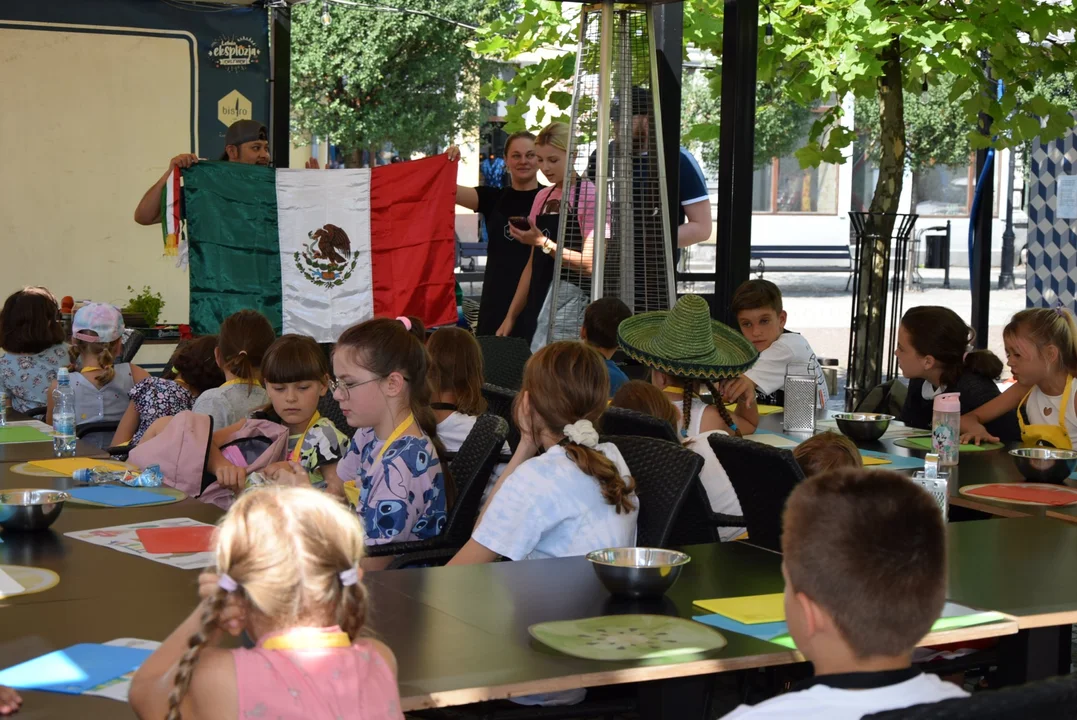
point(229, 404)
point(1038, 401)
point(768, 373)
point(715, 481)
point(548, 508)
point(453, 431)
point(823, 702)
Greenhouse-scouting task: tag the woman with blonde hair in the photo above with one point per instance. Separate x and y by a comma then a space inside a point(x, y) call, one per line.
point(542, 231)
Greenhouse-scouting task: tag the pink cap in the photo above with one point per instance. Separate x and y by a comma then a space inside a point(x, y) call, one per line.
point(948, 403)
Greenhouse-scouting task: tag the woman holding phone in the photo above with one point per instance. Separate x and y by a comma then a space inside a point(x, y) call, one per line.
point(551, 149)
point(505, 257)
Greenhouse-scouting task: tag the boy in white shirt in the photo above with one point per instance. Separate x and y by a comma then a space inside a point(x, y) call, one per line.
point(865, 579)
point(757, 305)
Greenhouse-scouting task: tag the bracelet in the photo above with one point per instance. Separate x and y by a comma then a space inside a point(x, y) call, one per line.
point(548, 246)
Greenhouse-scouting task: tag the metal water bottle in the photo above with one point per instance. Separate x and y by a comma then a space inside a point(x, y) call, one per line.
point(801, 397)
point(946, 427)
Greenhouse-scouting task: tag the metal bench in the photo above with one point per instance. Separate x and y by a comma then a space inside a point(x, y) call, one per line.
point(803, 258)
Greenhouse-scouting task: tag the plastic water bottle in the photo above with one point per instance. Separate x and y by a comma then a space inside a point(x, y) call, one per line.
point(3, 407)
point(946, 427)
point(63, 416)
point(150, 477)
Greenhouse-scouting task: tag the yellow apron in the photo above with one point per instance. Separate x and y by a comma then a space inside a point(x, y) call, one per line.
point(1055, 436)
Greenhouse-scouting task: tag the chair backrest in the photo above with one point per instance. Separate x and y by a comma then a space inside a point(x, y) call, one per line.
point(98, 434)
point(669, 491)
point(622, 421)
point(471, 468)
point(132, 341)
point(762, 476)
point(1051, 699)
point(503, 360)
point(330, 408)
point(499, 402)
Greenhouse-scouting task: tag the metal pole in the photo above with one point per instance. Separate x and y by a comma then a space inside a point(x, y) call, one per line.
point(666, 150)
point(280, 79)
point(605, 65)
point(981, 252)
point(624, 227)
point(667, 39)
point(1005, 275)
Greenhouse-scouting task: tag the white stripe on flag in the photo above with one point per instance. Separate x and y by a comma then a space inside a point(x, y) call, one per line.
point(323, 221)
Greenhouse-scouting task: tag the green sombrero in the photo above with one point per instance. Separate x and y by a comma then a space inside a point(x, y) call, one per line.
point(685, 342)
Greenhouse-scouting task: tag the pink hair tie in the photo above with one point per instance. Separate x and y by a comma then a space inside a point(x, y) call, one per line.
point(226, 583)
point(406, 320)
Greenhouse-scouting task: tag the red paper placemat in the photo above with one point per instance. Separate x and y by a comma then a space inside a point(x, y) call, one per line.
point(1023, 493)
point(160, 541)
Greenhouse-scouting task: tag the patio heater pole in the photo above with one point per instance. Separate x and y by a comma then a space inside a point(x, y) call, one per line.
point(1005, 275)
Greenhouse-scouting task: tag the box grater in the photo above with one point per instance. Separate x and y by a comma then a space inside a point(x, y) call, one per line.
point(801, 397)
point(936, 488)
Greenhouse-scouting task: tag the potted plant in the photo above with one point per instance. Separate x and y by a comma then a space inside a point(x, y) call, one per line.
point(143, 309)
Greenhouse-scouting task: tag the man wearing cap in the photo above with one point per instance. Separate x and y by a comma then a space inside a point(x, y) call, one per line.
point(245, 142)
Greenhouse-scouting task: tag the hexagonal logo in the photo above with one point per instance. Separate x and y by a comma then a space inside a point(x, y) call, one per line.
point(233, 106)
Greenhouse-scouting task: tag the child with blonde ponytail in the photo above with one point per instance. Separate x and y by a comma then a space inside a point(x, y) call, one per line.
point(576, 497)
point(288, 574)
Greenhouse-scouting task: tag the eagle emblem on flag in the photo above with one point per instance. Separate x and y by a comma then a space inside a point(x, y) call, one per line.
point(327, 260)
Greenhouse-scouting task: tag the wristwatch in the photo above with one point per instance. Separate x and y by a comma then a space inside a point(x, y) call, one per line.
point(548, 246)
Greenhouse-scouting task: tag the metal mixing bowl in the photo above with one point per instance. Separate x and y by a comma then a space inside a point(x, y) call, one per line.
point(27, 509)
point(636, 572)
point(863, 427)
point(1044, 465)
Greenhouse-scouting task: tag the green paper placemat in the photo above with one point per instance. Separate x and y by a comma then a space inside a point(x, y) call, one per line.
point(628, 637)
point(924, 443)
point(943, 623)
point(22, 435)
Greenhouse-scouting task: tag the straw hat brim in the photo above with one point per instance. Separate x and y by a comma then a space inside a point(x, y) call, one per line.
point(730, 356)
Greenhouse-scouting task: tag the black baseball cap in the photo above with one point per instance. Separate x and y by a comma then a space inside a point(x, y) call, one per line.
point(245, 131)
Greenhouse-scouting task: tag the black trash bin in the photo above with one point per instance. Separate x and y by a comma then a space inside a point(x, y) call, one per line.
point(936, 252)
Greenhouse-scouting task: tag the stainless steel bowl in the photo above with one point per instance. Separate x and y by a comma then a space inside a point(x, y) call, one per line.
point(635, 572)
point(27, 509)
point(863, 427)
point(1044, 465)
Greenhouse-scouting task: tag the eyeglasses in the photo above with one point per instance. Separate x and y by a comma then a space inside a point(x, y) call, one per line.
point(345, 388)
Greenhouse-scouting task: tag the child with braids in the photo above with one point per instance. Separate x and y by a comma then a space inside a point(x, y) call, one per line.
point(577, 496)
point(684, 348)
point(242, 341)
point(288, 574)
point(101, 384)
point(382, 388)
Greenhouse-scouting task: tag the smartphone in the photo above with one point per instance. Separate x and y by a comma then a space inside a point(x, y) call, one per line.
point(520, 223)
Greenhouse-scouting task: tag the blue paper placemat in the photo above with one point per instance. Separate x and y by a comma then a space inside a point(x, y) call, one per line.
point(763, 631)
point(74, 670)
point(897, 462)
point(118, 496)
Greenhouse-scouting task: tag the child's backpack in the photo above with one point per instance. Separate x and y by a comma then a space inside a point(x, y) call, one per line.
point(182, 451)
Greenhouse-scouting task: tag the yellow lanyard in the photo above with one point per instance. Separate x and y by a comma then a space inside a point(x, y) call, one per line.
point(396, 433)
point(308, 640)
point(298, 449)
point(673, 390)
point(240, 381)
point(90, 369)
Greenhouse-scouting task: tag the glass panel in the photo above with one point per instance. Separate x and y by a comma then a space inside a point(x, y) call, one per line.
point(761, 179)
point(808, 190)
point(941, 190)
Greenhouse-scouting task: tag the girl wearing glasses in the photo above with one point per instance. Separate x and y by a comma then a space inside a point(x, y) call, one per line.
point(381, 385)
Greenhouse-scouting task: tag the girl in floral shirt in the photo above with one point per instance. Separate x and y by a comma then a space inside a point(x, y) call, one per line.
point(32, 338)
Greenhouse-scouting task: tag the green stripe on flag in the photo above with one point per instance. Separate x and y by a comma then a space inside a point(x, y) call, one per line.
point(231, 212)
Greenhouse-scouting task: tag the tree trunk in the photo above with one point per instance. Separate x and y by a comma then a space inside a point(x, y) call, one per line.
point(874, 268)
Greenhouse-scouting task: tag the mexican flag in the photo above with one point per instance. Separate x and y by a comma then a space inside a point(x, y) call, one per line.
point(317, 251)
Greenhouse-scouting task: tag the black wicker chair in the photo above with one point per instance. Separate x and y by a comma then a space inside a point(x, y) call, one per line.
point(1051, 699)
point(132, 341)
point(503, 360)
point(673, 507)
point(471, 469)
point(621, 421)
point(499, 401)
point(98, 434)
point(37, 412)
point(330, 408)
point(762, 476)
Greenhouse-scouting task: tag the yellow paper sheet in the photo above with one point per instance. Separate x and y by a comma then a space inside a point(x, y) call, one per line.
point(763, 409)
point(68, 466)
point(749, 609)
point(872, 460)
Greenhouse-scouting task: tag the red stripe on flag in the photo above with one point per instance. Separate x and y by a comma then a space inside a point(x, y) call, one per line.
point(412, 243)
